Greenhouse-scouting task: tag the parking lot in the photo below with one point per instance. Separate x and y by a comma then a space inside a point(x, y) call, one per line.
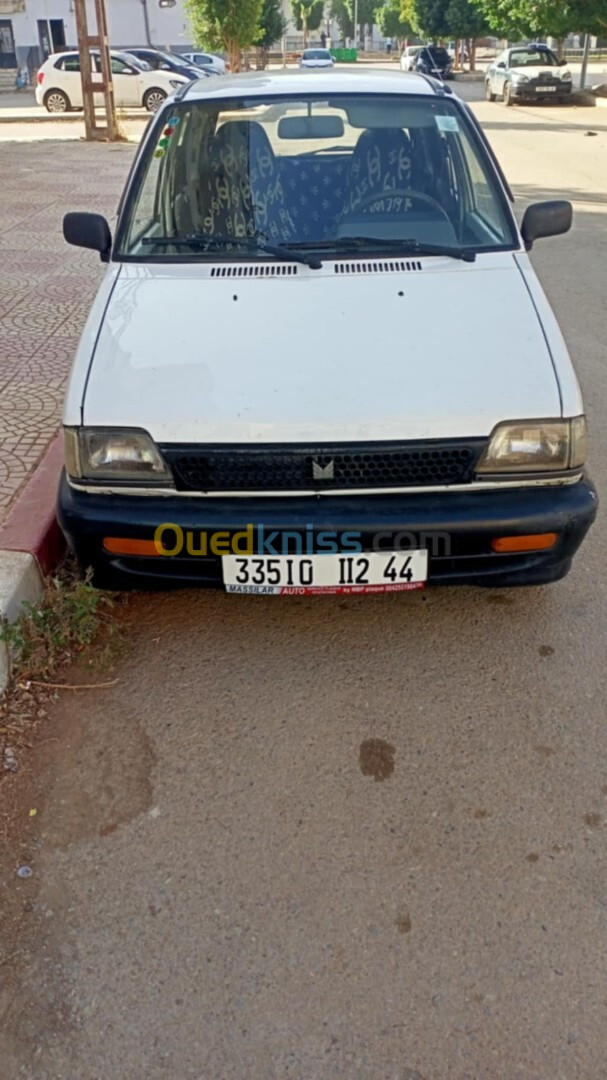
point(313, 838)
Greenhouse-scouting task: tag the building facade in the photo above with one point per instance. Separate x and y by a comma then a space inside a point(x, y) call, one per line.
point(31, 29)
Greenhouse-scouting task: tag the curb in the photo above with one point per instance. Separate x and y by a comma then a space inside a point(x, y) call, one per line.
point(31, 543)
point(65, 118)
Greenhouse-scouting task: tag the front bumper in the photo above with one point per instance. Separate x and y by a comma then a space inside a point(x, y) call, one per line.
point(456, 527)
point(525, 91)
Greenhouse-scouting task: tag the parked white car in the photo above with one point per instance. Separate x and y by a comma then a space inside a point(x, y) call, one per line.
point(316, 58)
point(59, 84)
point(409, 57)
point(308, 445)
point(207, 60)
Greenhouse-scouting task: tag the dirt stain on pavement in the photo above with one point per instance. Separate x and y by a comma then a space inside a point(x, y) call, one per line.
point(403, 922)
point(543, 751)
point(376, 758)
point(593, 821)
point(546, 650)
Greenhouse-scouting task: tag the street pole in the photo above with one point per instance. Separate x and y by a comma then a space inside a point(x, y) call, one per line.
point(89, 88)
point(585, 61)
point(355, 24)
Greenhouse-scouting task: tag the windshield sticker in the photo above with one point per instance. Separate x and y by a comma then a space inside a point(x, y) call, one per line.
point(447, 123)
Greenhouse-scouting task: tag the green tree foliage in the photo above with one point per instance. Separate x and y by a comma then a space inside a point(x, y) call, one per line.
point(427, 17)
point(338, 10)
point(225, 24)
point(520, 19)
point(272, 24)
point(308, 15)
point(390, 20)
point(464, 19)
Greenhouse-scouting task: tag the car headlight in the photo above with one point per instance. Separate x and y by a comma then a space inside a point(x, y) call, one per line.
point(520, 78)
point(175, 83)
point(113, 454)
point(535, 446)
point(566, 76)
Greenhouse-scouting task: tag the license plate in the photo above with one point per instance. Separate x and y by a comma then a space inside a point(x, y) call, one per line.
point(300, 575)
point(546, 89)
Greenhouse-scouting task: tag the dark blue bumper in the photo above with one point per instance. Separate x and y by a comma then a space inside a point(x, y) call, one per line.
point(456, 527)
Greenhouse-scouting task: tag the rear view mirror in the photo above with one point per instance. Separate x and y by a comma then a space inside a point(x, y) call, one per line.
point(310, 127)
point(88, 231)
point(546, 219)
point(501, 65)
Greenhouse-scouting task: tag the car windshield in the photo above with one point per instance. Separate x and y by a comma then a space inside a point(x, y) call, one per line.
point(533, 58)
point(440, 56)
point(316, 54)
point(223, 177)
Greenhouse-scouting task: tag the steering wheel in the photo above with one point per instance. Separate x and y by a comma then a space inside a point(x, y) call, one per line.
point(399, 193)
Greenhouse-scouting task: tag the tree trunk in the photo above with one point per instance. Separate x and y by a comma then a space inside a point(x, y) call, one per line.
point(304, 22)
point(472, 54)
point(456, 43)
point(560, 49)
point(233, 48)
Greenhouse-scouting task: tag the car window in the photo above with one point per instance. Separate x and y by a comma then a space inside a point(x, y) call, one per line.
point(314, 170)
point(533, 58)
point(316, 54)
point(69, 63)
point(119, 67)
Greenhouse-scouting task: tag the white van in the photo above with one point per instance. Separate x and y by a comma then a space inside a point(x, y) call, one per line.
point(320, 360)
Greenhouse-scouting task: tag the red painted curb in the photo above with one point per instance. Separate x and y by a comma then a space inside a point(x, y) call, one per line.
point(31, 524)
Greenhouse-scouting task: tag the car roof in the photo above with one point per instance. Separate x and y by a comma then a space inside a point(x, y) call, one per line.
point(279, 83)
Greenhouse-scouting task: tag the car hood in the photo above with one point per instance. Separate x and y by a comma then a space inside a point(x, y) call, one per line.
point(541, 69)
point(446, 350)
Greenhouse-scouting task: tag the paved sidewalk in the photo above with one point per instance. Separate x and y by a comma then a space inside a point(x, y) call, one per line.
point(45, 286)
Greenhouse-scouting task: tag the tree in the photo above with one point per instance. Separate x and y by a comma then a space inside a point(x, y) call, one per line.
point(466, 21)
point(308, 15)
point(390, 21)
point(365, 12)
point(427, 17)
point(339, 11)
point(225, 24)
point(519, 19)
point(272, 24)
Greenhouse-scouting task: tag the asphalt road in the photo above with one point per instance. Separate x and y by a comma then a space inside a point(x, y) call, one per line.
point(361, 838)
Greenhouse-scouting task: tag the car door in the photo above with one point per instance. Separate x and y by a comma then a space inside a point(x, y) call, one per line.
point(499, 77)
point(68, 78)
point(127, 89)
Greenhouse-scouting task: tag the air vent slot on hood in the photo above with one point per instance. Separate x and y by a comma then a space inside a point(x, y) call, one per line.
point(261, 270)
point(391, 266)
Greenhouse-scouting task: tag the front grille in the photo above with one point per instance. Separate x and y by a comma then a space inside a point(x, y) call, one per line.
point(324, 468)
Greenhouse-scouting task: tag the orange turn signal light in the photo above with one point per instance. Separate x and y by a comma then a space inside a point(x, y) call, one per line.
point(120, 545)
point(533, 542)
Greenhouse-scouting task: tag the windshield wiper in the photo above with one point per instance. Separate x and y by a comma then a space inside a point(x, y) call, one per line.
point(250, 243)
point(417, 247)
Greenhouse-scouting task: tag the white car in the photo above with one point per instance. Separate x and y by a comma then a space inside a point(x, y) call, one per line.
point(59, 85)
point(528, 73)
point(316, 58)
point(409, 56)
point(306, 445)
point(207, 60)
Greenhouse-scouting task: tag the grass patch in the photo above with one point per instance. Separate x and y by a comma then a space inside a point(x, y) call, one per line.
point(70, 617)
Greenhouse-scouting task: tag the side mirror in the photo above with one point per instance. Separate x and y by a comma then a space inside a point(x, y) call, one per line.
point(164, 67)
point(501, 65)
point(546, 219)
point(88, 231)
